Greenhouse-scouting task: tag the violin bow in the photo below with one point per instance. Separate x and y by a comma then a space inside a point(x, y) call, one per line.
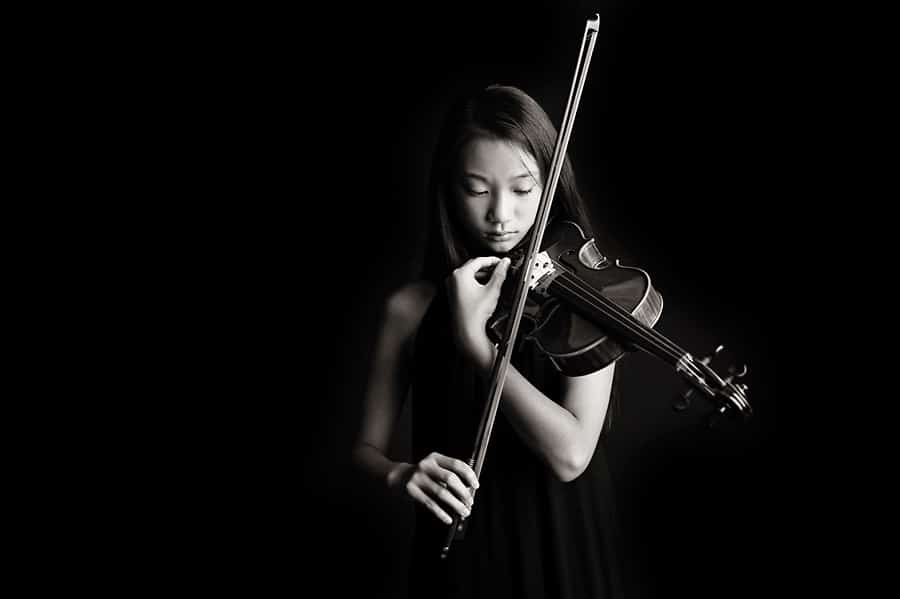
point(502, 358)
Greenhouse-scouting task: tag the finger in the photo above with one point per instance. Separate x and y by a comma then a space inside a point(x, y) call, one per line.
point(499, 274)
point(476, 264)
point(420, 496)
point(460, 468)
point(446, 499)
point(447, 481)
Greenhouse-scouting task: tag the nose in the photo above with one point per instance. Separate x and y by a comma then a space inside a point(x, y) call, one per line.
point(501, 208)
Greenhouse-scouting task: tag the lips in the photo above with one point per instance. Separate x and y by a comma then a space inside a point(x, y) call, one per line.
point(500, 236)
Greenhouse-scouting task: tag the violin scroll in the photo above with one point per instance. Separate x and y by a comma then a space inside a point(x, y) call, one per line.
point(730, 396)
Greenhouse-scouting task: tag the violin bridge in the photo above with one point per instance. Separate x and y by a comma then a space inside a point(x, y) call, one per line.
point(542, 274)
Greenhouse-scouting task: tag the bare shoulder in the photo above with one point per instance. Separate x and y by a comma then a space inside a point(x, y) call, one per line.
point(406, 307)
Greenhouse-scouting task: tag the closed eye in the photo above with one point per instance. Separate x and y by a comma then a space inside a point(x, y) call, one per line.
point(473, 191)
point(523, 192)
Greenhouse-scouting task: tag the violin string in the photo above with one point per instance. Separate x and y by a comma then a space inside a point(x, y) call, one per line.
point(624, 318)
point(637, 333)
point(618, 315)
point(629, 323)
point(667, 346)
point(624, 315)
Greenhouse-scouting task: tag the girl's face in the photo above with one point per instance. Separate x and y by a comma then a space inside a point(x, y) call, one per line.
point(497, 190)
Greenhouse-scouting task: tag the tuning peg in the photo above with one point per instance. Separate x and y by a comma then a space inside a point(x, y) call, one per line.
point(707, 359)
point(734, 374)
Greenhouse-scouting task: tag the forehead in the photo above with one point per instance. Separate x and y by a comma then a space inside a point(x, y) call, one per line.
point(496, 158)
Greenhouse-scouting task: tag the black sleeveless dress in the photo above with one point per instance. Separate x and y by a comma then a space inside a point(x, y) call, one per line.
point(530, 535)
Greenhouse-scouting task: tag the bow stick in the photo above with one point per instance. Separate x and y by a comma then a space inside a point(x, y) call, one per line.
point(502, 358)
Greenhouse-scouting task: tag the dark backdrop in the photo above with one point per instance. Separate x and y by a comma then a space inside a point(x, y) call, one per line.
point(316, 135)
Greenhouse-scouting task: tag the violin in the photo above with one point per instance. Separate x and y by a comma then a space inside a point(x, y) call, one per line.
point(584, 312)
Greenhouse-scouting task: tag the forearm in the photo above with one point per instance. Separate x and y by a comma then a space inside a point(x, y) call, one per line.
point(373, 462)
point(552, 432)
point(563, 433)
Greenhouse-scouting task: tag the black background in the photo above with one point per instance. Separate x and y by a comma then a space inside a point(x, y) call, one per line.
point(306, 139)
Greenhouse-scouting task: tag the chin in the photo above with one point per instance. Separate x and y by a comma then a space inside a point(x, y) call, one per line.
point(502, 247)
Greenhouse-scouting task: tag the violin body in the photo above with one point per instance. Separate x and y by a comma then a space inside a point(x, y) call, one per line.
point(561, 315)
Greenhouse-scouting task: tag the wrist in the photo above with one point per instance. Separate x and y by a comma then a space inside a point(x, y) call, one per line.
point(476, 348)
point(397, 475)
point(483, 358)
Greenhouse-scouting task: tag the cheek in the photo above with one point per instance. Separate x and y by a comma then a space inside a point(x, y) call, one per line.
point(530, 208)
point(468, 212)
point(472, 211)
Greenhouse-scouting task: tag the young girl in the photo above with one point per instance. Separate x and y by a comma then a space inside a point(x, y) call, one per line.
point(540, 520)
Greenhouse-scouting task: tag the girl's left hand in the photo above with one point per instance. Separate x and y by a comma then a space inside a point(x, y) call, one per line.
point(472, 304)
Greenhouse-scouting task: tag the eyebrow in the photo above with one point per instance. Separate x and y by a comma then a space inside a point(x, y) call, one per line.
point(481, 178)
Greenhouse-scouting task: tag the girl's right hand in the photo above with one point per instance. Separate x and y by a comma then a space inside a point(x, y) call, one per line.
point(439, 483)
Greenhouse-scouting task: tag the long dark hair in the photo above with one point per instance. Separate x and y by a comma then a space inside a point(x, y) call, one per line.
point(498, 112)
